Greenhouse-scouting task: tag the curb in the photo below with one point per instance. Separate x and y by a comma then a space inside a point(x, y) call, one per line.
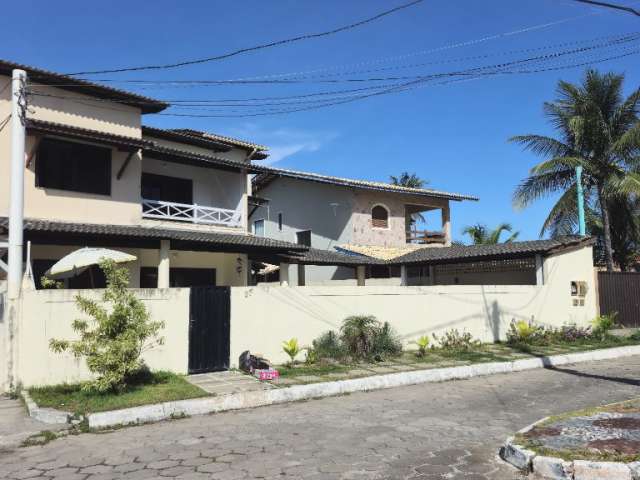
point(44, 415)
point(237, 401)
point(553, 468)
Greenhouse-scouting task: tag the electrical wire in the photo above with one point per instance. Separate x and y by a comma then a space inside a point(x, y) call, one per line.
point(263, 46)
point(614, 6)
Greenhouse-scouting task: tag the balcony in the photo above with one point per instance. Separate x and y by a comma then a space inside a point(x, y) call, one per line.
point(426, 237)
point(183, 212)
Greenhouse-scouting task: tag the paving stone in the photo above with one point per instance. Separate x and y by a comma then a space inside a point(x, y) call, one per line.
point(584, 470)
point(451, 429)
point(96, 469)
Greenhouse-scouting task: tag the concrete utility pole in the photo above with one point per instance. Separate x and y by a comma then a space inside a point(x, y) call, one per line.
point(582, 228)
point(16, 204)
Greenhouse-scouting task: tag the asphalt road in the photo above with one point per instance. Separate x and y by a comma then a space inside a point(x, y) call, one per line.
point(449, 430)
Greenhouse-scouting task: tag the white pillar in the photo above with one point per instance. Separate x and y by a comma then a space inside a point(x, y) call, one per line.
point(539, 270)
point(404, 281)
point(164, 265)
point(446, 225)
point(302, 280)
point(245, 201)
point(16, 203)
point(361, 275)
point(284, 274)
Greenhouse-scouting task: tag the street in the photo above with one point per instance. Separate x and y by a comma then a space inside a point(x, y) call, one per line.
point(450, 430)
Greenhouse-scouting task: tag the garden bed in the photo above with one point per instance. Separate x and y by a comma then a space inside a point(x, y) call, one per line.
point(303, 373)
point(158, 387)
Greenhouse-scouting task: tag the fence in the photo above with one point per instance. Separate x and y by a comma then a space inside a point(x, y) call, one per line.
point(620, 292)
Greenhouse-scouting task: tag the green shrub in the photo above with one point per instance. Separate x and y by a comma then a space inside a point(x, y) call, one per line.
point(454, 340)
point(328, 345)
point(291, 348)
point(311, 357)
point(603, 324)
point(358, 333)
point(386, 343)
point(113, 340)
point(422, 343)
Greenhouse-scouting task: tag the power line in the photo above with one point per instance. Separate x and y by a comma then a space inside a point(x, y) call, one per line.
point(257, 47)
point(456, 76)
point(611, 5)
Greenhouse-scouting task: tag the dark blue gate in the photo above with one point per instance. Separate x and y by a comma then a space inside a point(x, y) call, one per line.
point(209, 329)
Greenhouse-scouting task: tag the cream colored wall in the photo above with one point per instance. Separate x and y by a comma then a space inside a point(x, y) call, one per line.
point(262, 317)
point(122, 206)
point(48, 314)
point(225, 263)
point(395, 235)
point(4, 342)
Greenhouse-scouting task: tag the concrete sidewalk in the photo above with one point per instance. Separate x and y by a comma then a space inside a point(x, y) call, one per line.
point(16, 425)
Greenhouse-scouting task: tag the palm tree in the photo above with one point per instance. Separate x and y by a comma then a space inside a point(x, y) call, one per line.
point(597, 129)
point(481, 235)
point(410, 180)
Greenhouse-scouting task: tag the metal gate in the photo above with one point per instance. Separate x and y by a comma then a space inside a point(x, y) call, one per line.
point(620, 292)
point(209, 328)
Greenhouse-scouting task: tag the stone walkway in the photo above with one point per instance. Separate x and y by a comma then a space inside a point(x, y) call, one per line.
point(16, 426)
point(443, 431)
point(223, 383)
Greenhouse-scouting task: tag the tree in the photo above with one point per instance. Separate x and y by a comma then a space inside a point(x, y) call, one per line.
point(481, 235)
point(599, 130)
point(409, 180)
point(116, 338)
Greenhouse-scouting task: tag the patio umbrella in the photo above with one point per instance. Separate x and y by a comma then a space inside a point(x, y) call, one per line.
point(77, 262)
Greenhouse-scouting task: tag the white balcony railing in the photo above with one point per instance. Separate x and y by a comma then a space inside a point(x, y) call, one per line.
point(184, 212)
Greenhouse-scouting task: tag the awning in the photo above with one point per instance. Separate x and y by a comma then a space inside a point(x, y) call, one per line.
point(134, 236)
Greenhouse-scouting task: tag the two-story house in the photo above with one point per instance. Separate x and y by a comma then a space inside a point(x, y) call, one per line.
point(96, 176)
point(355, 217)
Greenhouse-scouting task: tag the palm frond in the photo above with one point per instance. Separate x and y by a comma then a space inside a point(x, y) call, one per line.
point(542, 146)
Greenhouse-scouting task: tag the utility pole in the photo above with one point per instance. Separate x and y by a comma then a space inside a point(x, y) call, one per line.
point(16, 204)
point(582, 230)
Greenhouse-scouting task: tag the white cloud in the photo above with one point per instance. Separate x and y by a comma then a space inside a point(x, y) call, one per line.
point(285, 142)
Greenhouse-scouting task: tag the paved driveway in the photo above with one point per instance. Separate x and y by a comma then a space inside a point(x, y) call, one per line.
point(449, 430)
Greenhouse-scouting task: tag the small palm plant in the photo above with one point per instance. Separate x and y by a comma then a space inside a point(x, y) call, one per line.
point(422, 343)
point(291, 348)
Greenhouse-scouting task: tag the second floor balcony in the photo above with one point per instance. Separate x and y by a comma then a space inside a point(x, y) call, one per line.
point(192, 213)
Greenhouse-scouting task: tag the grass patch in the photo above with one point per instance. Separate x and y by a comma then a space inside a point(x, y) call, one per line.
point(628, 406)
point(158, 387)
point(480, 353)
point(41, 438)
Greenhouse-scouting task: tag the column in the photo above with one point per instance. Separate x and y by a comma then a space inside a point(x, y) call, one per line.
point(284, 274)
point(432, 275)
point(301, 275)
point(539, 270)
point(446, 225)
point(361, 275)
point(164, 265)
point(404, 281)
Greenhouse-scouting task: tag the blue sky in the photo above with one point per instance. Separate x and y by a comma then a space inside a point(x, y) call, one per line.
point(454, 135)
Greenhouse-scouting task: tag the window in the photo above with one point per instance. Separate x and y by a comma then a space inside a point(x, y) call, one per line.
point(304, 238)
point(73, 166)
point(258, 228)
point(280, 222)
point(179, 277)
point(379, 217)
point(167, 189)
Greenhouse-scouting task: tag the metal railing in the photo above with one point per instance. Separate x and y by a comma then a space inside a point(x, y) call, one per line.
point(184, 212)
point(425, 237)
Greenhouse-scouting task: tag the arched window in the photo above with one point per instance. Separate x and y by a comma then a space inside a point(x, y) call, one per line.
point(379, 217)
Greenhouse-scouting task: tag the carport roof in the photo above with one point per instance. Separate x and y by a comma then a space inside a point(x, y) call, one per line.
point(487, 252)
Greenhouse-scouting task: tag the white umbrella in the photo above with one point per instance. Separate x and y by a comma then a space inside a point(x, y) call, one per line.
point(77, 262)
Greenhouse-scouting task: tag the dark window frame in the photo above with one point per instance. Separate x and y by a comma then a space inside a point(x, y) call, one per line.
point(377, 220)
point(280, 221)
point(73, 167)
point(168, 188)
